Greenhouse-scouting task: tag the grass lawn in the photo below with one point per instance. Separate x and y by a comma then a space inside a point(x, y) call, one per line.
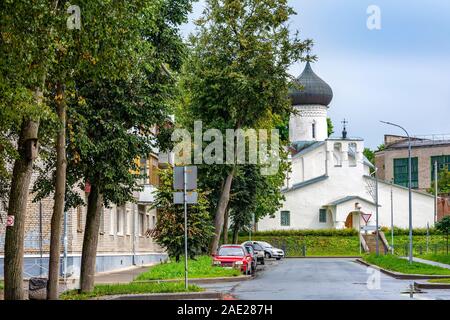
point(129, 288)
point(315, 245)
point(437, 257)
point(445, 281)
point(201, 268)
point(397, 264)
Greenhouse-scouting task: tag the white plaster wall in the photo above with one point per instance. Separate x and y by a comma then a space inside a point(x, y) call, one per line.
point(300, 125)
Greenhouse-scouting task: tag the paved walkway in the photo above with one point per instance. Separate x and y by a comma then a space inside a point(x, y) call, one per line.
point(432, 263)
point(124, 276)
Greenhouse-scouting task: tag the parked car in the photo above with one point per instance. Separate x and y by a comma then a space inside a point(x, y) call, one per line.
point(250, 250)
point(259, 251)
point(270, 251)
point(233, 256)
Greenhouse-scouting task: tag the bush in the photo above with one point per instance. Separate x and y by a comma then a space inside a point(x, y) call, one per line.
point(305, 232)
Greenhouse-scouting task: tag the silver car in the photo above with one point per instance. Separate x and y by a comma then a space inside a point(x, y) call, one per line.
point(258, 249)
point(270, 251)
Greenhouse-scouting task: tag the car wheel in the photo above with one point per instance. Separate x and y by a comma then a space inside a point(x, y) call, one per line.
point(278, 258)
point(267, 255)
point(262, 262)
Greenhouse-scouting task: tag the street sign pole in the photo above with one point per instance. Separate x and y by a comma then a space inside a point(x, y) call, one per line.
point(185, 230)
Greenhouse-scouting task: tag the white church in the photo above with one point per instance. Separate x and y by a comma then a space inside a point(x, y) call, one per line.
point(330, 185)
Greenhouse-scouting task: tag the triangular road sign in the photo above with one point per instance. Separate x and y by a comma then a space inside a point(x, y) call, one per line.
point(366, 217)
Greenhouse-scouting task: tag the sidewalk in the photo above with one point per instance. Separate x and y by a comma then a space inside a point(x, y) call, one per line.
point(431, 263)
point(123, 276)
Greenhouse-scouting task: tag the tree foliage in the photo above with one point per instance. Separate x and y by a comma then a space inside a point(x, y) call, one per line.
point(444, 227)
point(169, 231)
point(443, 183)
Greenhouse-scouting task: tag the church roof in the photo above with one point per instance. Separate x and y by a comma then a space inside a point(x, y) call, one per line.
point(313, 90)
point(305, 183)
point(349, 198)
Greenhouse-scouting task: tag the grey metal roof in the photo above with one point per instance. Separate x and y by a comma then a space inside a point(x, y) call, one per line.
point(315, 90)
point(349, 198)
point(398, 186)
point(305, 148)
point(305, 183)
point(418, 143)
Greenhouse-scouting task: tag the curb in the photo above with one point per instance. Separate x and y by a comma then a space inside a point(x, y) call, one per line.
point(166, 296)
point(323, 257)
point(421, 285)
point(404, 276)
point(200, 280)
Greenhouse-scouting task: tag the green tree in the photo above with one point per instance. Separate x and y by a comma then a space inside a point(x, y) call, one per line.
point(169, 230)
point(237, 76)
point(370, 155)
point(330, 127)
point(24, 63)
point(443, 183)
point(444, 227)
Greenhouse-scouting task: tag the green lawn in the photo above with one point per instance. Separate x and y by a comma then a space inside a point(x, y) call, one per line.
point(315, 245)
point(201, 268)
point(445, 281)
point(397, 264)
point(437, 257)
point(129, 288)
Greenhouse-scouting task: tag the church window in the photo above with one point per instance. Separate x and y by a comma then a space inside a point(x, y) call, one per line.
point(285, 218)
point(323, 215)
point(401, 172)
point(314, 130)
point(443, 163)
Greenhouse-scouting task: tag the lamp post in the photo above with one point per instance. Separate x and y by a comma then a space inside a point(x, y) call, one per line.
point(376, 214)
point(409, 187)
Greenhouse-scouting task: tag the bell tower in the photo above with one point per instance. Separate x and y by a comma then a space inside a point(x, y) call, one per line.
point(310, 98)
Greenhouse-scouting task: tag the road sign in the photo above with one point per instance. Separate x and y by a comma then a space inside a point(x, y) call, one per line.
point(366, 217)
point(10, 221)
point(191, 197)
point(191, 178)
point(369, 228)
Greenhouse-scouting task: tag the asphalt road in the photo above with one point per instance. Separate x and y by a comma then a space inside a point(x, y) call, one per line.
point(322, 279)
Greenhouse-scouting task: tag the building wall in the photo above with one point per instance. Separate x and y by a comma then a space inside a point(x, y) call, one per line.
point(385, 161)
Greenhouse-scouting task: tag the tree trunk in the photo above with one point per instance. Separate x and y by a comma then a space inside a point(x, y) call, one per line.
point(220, 211)
point(90, 240)
point(23, 168)
point(59, 197)
point(235, 233)
point(225, 224)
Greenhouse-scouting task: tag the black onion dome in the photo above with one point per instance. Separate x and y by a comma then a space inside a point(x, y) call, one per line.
point(315, 90)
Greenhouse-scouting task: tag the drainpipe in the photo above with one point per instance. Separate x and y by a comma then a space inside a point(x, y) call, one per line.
point(134, 235)
point(65, 246)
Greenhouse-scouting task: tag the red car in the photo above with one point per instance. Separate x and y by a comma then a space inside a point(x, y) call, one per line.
point(234, 256)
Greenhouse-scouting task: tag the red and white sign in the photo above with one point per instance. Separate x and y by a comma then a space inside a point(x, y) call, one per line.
point(10, 221)
point(366, 217)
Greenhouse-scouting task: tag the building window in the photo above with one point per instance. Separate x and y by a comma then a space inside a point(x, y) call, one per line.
point(323, 215)
point(154, 171)
point(102, 220)
point(401, 172)
point(285, 218)
point(79, 219)
point(141, 220)
point(120, 220)
point(443, 163)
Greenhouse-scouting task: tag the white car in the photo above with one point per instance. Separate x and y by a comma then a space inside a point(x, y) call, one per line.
point(270, 251)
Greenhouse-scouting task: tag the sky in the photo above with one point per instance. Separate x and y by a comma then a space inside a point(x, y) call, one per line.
point(398, 73)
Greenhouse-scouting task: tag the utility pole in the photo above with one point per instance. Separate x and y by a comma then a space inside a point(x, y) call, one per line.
point(392, 219)
point(435, 191)
point(376, 214)
point(409, 189)
point(185, 230)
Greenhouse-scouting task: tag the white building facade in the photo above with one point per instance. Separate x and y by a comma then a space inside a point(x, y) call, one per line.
point(330, 185)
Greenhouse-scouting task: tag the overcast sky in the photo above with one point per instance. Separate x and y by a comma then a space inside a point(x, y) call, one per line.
point(400, 73)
